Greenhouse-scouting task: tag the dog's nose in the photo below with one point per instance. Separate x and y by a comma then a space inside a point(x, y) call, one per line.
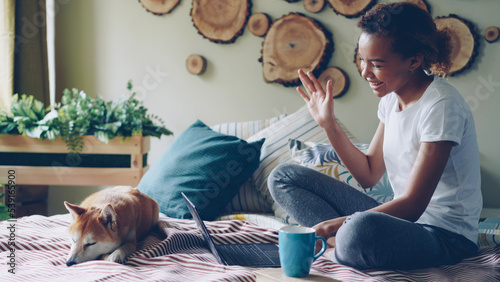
point(70, 262)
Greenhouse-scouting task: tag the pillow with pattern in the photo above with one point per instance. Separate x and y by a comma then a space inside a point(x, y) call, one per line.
point(322, 157)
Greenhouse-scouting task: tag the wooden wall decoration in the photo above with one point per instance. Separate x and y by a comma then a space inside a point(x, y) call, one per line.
point(295, 42)
point(352, 8)
point(464, 41)
point(159, 7)
point(196, 64)
point(259, 23)
point(314, 6)
point(340, 81)
point(220, 21)
point(491, 34)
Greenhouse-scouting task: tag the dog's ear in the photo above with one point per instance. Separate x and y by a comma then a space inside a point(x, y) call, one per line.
point(108, 217)
point(74, 210)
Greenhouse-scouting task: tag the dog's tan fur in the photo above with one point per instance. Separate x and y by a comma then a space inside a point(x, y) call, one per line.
point(109, 223)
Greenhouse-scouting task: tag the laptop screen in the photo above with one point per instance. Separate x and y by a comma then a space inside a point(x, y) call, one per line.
point(203, 228)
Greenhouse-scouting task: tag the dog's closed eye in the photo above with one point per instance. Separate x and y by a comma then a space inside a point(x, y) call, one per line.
point(89, 244)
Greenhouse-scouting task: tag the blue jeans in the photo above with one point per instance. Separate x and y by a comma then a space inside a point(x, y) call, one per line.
point(367, 239)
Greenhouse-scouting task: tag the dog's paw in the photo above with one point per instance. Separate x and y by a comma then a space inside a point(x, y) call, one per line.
point(104, 257)
point(116, 256)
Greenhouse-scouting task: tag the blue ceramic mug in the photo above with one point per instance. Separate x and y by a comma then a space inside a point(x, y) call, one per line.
point(297, 246)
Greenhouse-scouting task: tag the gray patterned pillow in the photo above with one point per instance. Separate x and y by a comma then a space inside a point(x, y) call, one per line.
point(322, 157)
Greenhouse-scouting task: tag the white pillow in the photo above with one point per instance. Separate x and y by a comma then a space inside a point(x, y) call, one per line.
point(245, 129)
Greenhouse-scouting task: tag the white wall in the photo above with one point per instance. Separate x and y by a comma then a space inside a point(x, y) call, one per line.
point(103, 44)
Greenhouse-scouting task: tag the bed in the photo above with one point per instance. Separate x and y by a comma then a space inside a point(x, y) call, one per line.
point(176, 251)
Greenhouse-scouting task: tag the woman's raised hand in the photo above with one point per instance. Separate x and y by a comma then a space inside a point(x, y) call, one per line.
point(319, 102)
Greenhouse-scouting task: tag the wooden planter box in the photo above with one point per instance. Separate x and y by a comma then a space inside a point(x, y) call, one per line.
point(45, 162)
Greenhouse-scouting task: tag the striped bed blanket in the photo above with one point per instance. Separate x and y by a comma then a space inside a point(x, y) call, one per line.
point(176, 252)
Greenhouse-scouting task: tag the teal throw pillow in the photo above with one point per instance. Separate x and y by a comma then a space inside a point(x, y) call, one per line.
point(209, 167)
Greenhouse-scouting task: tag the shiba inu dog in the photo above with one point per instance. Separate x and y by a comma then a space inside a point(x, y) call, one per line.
point(108, 224)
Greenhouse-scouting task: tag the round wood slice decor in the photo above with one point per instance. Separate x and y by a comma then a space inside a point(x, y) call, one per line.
point(159, 7)
point(351, 8)
point(259, 23)
point(422, 4)
point(295, 42)
point(220, 21)
point(340, 81)
point(464, 41)
point(491, 34)
point(196, 64)
point(314, 6)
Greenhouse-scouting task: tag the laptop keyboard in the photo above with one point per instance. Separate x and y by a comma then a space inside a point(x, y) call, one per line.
point(239, 254)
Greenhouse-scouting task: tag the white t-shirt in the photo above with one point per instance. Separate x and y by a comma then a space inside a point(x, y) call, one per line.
point(441, 114)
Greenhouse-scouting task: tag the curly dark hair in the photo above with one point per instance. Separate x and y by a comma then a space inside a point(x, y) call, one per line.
point(414, 32)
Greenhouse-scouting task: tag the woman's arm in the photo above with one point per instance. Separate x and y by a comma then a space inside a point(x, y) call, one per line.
point(424, 177)
point(366, 169)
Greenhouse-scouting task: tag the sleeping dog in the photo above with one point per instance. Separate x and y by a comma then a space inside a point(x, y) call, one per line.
point(108, 224)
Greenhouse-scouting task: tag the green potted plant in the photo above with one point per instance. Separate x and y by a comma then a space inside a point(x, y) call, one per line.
point(88, 135)
point(79, 115)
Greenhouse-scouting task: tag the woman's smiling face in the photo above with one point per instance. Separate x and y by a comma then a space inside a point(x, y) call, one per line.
point(385, 70)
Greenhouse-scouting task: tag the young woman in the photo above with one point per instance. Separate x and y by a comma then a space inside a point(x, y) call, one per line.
point(426, 141)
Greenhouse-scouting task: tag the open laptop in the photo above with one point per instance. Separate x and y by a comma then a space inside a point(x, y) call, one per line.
point(255, 255)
